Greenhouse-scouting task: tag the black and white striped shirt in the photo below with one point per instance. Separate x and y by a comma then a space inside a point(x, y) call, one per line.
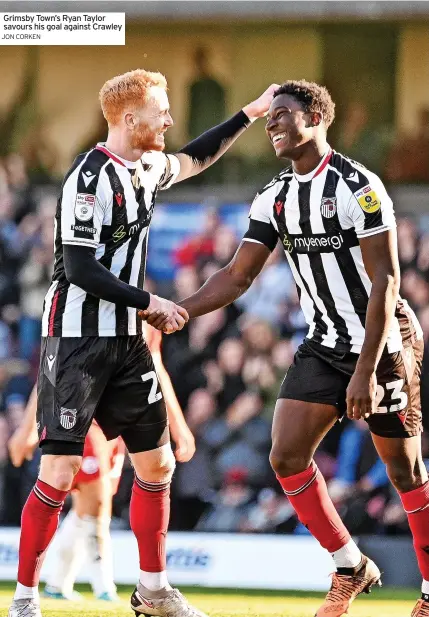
point(107, 203)
point(319, 218)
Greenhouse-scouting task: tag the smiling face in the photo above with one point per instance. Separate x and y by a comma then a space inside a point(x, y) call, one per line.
point(289, 127)
point(148, 123)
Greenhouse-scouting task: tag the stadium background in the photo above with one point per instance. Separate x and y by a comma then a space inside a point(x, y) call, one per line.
point(226, 367)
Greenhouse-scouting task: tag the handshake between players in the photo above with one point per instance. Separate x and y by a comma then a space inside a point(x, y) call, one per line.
point(164, 315)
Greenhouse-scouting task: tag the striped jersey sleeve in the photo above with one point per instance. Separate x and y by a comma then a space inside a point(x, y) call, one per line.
point(370, 208)
point(261, 228)
point(85, 196)
point(164, 167)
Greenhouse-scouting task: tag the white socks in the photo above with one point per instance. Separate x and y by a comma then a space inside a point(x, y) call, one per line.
point(70, 553)
point(99, 546)
point(77, 540)
point(22, 592)
point(425, 587)
point(348, 556)
point(154, 581)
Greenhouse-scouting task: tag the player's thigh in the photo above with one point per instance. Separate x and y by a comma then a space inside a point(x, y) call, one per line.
point(73, 373)
point(311, 399)
point(397, 425)
point(398, 414)
point(132, 405)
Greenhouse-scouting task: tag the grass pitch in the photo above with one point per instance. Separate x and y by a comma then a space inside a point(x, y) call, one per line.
point(230, 603)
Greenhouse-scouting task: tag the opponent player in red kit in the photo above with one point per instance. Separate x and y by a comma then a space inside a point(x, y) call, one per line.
point(363, 352)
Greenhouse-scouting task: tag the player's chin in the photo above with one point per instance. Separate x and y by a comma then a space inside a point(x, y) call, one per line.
point(158, 145)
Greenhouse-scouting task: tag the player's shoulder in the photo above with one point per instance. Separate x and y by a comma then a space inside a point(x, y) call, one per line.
point(284, 176)
point(88, 165)
point(355, 175)
point(153, 159)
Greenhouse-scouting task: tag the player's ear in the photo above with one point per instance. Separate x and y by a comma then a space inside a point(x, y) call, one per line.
point(130, 120)
point(316, 118)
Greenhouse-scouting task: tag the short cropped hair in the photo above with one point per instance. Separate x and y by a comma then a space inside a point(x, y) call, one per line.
point(311, 96)
point(127, 91)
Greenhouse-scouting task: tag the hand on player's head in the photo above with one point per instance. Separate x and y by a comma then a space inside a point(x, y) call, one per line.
point(164, 315)
point(259, 108)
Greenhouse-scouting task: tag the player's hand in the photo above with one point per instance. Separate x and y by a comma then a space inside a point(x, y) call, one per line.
point(361, 395)
point(185, 443)
point(21, 446)
point(260, 107)
point(164, 315)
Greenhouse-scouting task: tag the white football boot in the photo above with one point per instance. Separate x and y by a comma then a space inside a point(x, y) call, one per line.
point(162, 604)
point(28, 607)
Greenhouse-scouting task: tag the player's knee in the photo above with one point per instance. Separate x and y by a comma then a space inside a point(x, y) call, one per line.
point(158, 467)
point(60, 471)
point(402, 476)
point(286, 463)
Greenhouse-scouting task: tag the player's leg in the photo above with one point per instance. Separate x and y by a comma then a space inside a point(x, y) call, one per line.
point(396, 432)
point(66, 404)
point(70, 553)
point(84, 534)
point(298, 428)
point(39, 522)
point(94, 507)
point(133, 407)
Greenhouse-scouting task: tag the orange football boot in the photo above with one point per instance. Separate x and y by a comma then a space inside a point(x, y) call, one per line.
point(345, 588)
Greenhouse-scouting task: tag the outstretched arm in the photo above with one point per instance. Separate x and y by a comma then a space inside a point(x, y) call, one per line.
point(228, 284)
point(206, 149)
point(180, 432)
point(25, 439)
point(222, 288)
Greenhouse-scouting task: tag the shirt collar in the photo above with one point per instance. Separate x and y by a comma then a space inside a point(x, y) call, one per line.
point(115, 157)
point(318, 170)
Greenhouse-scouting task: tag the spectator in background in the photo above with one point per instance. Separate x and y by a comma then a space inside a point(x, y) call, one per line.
point(206, 97)
point(270, 292)
point(199, 247)
point(20, 186)
point(361, 141)
point(34, 278)
point(360, 477)
point(194, 482)
point(409, 157)
point(231, 504)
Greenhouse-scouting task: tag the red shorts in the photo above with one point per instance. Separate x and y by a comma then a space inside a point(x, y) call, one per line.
point(101, 457)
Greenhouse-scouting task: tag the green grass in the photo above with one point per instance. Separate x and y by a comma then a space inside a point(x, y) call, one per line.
point(231, 603)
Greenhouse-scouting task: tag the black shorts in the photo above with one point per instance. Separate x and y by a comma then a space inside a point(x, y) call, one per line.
point(109, 379)
point(321, 375)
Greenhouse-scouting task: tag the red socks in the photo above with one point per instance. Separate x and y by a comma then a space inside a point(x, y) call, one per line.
point(39, 523)
point(308, 495)
point(416, 505)
point(149, 518)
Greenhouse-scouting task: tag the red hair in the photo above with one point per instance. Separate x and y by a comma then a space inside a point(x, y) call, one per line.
point(128, 91)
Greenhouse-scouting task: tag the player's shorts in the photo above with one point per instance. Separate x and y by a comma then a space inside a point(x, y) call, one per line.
point(321, 375)
point(108, 379)
point(101, 458)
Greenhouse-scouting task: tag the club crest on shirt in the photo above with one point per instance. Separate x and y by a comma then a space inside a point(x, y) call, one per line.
point(84, 206)
point(368, 200)
point(328, 207)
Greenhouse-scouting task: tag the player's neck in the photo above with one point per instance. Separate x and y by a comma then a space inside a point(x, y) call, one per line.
point(117, 144)
point(310, 157)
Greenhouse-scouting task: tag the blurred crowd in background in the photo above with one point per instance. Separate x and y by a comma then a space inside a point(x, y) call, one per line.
point(226, 367)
